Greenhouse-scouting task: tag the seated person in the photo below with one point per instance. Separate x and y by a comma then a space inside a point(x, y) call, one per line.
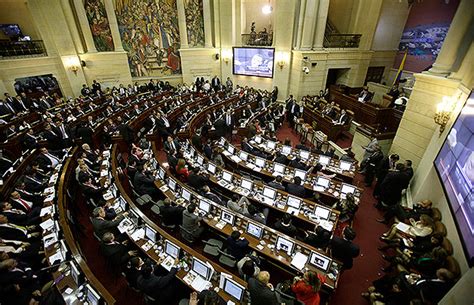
point(277, 183)
point(116, 252)
point(237, 245)
point(261, 291)
point(296, 188)
point(161, 288)
point(197, 179)
point(239, 205)
point(171, 214)
point(101, 225)
point(280, 158)
point(144, 182)
point(320, 238)
point(297, 163)
point(285, 226)
point(256, 215)
point(348, 207)
point(213, 197)
point(191, 222)
point(421, 228)
point(133, 270)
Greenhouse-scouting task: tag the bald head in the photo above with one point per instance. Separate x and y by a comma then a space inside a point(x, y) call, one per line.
point(264, 277)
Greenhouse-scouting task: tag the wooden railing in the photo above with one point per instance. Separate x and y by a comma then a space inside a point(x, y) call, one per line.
point(260, 39)
point(22, 48)
point(342, 40)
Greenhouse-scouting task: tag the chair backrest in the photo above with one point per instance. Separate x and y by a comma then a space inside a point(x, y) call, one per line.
point(447, 246)
point(227, 255)
point(436, 214)
point(440, 228)
point(186, 234)
point(453, 266)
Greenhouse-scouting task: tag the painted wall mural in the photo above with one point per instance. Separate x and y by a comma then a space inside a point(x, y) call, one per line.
point(150, 36)
point(424, 33)
point(97, 17)
point(194, 22)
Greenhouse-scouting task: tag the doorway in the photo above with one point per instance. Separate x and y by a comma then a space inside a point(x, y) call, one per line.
point(337, 76)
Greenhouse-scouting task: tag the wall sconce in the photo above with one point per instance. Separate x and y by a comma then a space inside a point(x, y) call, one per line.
point(226, 55)
point(72, 63)
point(443, 112)
point(282, 58)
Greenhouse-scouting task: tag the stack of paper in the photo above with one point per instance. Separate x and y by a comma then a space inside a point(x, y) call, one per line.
point(299, 260)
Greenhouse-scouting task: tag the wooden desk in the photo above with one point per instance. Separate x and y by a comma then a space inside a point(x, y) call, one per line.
point(324, 124)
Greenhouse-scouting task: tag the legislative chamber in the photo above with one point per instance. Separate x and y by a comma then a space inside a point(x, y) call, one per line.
point(212, 152)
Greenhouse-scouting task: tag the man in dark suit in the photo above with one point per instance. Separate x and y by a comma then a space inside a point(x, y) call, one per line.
point(433, 290)
point(127, 132)
point(392, 186)
point(161, 288)
point(54, 140)
point(213, 197)
point(163, 126)
point(102, 225)
point(319, 238)
point(171, 214)
point(277, 183)
point(292, 110)
point(261, 291)
point(229, 121)
point(285, 226)
point(364, 95)
point(280, 158)
point(343, 249)
point(26, 206)
point(296, 188)
point(15, 232)
point(85, 132)
point(144, 182)
point(6, 109)
point(216, 83)
point(96, 87)
point(46, 160)
point(171, 145)
point(197, 179)
point(64, 132)
point(85, 91)
point(18, 217)
point(92, 191)
point(342, 119)
point(383, 167)
point(116, 252)
point(297, 163)
point(245, 146)
point(19, 105)
point(237, 245)
point(29, 140)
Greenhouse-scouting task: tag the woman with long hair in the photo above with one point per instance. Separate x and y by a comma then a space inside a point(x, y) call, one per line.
point(307, 288)
point(181, 170)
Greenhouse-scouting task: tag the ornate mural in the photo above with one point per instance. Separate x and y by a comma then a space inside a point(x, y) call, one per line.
point(194, 22)
point(97, 16)
point(150, 35)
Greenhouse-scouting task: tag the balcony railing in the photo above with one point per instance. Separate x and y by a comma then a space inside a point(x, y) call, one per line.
point(22, 48)
point(342, 40)
point(260, 39)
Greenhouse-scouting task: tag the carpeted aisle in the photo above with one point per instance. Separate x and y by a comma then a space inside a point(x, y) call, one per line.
point(367, 266)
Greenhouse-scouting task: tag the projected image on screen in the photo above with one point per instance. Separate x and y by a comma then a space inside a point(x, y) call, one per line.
point(455, 166)
point(254, 61)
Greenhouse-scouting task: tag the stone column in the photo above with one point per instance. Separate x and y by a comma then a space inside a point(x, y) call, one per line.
point(206, 7)
point(309, 25)
point(452, 43)
point(183, 32)
point(300, 23)
point(114, 29)
point(85, 27)
point(236, 22)
point(321, 24)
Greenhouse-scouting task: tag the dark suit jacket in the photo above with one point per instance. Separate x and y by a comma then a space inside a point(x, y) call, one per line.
point(276, 185)
point(344, 251)
point(295, 189)
point(85, 133)
point(116, 252)
point(12, 234)
point(261, 294)
point(288, 230)
point(392, 186)
point(143, 183)
point(237, 248)
point(102, 226)
point(318, 240)
point(158, 287)
point(197, 181)
point(171, 215)
point(167, 146)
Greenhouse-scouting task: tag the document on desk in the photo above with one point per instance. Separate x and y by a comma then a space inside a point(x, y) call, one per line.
point(235, 159)
point(168, 263)
point(124, 225)
point(55, 257)
point(49, 239)
point(199, 284)
point(45, 211)
point(46, 225)
point(164, 188)
point(138, 234)
point(292, 211)
point(257, 169)
point(104, 173)
point(250, 165)
point(49, 190)
point(220, 225)
point(318, 188)
point(226, 153)
point(299, 260)
point(403, 227)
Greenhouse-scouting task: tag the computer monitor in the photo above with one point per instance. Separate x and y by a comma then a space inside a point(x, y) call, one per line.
point(258, 139)
point(284, 244)
point(271, 144)
point(243, 155)
point(286, 150)
point(300, 173)
point(347, 188)
point(93, 298)
point(322, 213)
point(222, 141)
point(122, 203)
point(228, 217)
point(279, 168)
point(200, 160)
point(254, 230)
point(171, 249)
point(246, 184)
point(192, 151)
point(201, 268)
point(269, 192)
point(304, 154)
point(259, 162)
point(172, 184)
point(76, 274)
point(227, 176)
point(211, 168)
point(319, 261)
point(324, 182)
point(293, 202)
point(233, 289)
point(204, 206)
point(231, 149)
point(324, 160)
point(345, 166)
point(161, 173)
point(113, 189)
point(186, 195)
point(150, 233)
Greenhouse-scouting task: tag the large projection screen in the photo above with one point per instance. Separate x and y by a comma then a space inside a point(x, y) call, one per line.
point(253, 61)
point(455, 167)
